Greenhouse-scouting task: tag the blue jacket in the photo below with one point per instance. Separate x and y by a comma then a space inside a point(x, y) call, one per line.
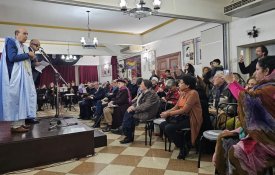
point(12, 56)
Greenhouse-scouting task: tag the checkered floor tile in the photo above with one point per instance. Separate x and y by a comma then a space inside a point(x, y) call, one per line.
point(134, 159)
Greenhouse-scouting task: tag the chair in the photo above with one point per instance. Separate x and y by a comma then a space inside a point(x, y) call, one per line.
point(149, 127)
point(212, 135)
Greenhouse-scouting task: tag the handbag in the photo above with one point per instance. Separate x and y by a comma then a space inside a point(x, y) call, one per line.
point(176, 119)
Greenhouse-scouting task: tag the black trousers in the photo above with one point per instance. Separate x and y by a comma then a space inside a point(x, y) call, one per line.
point(128, 125)
point(170, 130)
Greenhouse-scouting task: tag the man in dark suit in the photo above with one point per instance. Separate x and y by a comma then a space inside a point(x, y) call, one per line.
point(34, 46)
point(90, 101)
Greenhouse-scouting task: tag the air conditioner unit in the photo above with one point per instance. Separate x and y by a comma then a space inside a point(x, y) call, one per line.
point(131, 49)
point(246, 8)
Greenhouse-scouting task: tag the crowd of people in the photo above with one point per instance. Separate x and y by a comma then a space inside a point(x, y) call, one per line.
point(184, 100)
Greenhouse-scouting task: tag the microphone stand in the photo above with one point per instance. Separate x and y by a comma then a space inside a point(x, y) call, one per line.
point(57, 77)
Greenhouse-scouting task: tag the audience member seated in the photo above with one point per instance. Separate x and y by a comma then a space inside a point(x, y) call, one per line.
point(153, 75)
point(155, 85)
point(90, 101)
point(100, 104)
point(132, 86)
point(41, 97)
point(51, 91)
point(221, 94)
point(178, 74)
point(113, 113)
point(172, 96)
point(146, 107)
point(187, 113)
point(237, 77)
point(138, 82)
point(168, 75)
point(206, 80)
point(189, 69)
point(254, 151)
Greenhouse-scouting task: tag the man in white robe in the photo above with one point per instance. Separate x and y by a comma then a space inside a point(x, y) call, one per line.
point(17, 90)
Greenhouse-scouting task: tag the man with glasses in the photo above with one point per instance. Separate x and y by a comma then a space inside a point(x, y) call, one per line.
point(34, 46)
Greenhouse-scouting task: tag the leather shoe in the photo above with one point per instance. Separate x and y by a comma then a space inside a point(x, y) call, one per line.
point(26, 126)
point(96, 126)
point(107, 128)
point(126, 140)
point(19, 130)
point(31, 121)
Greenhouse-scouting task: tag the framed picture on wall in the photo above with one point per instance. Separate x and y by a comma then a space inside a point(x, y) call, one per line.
point(198, 51)
point(188, 52)
point(151, 60)
point(106, 70)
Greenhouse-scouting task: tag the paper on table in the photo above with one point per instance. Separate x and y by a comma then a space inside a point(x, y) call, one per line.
point(42, 65)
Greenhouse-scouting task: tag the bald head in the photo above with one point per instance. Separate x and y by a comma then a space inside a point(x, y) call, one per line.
point(35, 44)
point(21, 34)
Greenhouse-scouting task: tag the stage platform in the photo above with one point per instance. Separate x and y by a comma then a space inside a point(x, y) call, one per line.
point(39, 146)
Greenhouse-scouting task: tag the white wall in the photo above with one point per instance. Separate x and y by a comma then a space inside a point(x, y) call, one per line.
point(174, 44)
point(238, 33)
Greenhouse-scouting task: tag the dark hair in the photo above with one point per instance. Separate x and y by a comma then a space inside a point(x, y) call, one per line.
point(147, 83)
point(190, 70)
point(167, 70)
point(267, 62)
point(139, 80)
point(16, 32)
point(264, 49)
point(241, 80)
point(189, 81)
point(217, 61)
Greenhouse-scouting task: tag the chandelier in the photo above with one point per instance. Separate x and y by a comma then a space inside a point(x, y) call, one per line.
point(68, 57)
point(141, 11)
point(88, 42)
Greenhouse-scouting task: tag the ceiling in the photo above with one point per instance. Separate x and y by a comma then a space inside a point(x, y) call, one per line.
point(73, 16)
point(66, 21)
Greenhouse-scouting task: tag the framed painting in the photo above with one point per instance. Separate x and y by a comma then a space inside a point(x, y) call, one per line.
point(188, 52)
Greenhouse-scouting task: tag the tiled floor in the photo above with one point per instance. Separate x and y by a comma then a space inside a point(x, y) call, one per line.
point(132, 159)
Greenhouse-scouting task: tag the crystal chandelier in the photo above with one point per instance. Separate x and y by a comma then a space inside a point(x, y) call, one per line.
point(88, 42)
point(141, 11)
point(68, 57)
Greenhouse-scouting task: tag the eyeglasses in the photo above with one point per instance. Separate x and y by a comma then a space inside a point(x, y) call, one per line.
point(37, 45)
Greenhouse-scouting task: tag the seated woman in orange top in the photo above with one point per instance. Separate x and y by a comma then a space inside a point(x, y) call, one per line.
point(187, 113)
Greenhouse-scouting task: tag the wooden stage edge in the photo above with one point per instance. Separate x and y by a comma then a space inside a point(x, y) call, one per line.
point(39, 146)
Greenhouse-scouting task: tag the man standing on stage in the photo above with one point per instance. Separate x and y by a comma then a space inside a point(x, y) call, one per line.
point(34, 46)
point(17, 91)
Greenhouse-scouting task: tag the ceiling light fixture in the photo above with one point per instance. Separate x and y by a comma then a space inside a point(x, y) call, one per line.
point(140, 11)
point(68, 57)
point(88, 42)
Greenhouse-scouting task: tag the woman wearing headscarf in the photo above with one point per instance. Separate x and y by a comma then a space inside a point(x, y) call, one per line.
point(255, 150)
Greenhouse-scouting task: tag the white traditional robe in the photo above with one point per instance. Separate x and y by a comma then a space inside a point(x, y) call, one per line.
point(17, 94)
